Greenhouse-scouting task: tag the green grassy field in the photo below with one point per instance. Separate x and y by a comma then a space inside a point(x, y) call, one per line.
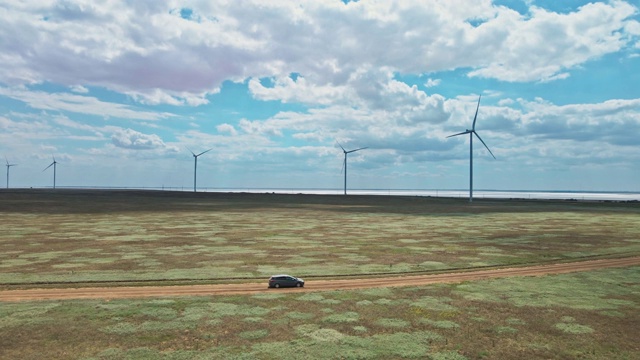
point(591, 315)
point(77, 236)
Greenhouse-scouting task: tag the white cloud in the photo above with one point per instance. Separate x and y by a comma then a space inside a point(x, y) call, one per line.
point(151, 53)
point(615, 121)
point(544, 46)
point(79, 89)
point(432, 82)
point(78, 104)
point(131, 139)
point(226, 128)
point(260, 127)
point(288, 90)
point(375, 90)
point(177, 98)
point(342, 64)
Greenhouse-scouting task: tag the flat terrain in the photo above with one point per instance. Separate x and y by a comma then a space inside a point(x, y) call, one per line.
point(98, 236)
point(318, 285)
point(95, 274)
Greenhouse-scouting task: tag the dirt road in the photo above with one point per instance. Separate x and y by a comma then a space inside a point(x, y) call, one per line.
point(313, 285)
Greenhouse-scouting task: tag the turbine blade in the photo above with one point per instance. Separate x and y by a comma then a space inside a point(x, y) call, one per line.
point(50, 165)
point(485, 145)
point(341, 147)
point(473, 127)
point(192, 153)
point(462, 133)
point(206, 151)
point(344, 162)
point(362, 148)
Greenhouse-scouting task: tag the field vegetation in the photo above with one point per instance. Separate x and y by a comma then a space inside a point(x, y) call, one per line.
point(591, 315)
point(83, 236)
point(70, 237)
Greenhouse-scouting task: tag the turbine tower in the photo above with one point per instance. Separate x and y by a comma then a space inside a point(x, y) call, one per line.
point(471, 133)
point(344, 164)
point(54, 170)
point(195, 166)
point(8, 166)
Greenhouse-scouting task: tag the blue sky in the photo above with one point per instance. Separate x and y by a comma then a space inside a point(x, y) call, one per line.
point(119, 93)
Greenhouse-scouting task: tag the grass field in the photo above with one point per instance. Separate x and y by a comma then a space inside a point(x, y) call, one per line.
point(76, 236)
point(79, 236)
point(591, 315)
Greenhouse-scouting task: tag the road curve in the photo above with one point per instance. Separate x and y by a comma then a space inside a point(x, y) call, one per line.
point(315, 285)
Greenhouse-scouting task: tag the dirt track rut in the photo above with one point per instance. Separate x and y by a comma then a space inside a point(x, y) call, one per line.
point(313, 285)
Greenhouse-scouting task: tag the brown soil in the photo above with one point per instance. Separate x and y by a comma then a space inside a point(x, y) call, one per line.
point(315, 285)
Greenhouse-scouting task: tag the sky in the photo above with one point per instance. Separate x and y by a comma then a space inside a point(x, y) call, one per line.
point(122, 92)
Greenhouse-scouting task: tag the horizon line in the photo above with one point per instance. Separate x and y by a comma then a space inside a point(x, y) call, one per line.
point(161, 187)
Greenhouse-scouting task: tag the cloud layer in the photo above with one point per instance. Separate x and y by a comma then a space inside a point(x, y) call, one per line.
point(159, 52)
point(274, 85)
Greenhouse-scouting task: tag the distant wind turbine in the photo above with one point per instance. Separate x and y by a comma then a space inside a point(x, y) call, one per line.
point(344, 164)
point(471, 133)
point(54, 170)
point(195, 166)
point(8, 166)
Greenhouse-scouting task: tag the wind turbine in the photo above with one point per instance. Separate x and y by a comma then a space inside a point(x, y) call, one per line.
point(8, 166)
point(471, 133)
point(344, 164)
point(54, 170)
point(195, 166)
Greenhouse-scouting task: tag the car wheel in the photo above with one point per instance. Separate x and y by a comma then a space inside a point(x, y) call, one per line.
point(299, 285)
point(276, 286)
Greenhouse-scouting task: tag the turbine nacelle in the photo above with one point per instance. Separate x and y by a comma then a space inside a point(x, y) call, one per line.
point(9, 165)
point(350, 151)
point(194, 154)
point(50, 165)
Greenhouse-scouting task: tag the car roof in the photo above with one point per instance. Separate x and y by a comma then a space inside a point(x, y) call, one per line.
point(280, 275)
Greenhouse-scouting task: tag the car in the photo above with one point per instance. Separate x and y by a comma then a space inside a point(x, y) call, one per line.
point(284, 280)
